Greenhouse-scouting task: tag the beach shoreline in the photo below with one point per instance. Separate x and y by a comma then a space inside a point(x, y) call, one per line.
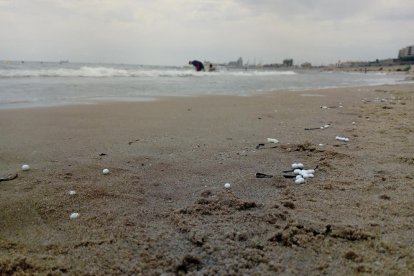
point(163, 207)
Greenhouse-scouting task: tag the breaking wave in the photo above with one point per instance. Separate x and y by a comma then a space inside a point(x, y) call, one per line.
point(105, 72)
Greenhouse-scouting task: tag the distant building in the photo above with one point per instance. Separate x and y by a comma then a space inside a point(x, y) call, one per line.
point(406, 53)
point(272, 65)
point(238, 63)
point(288, 62)
point(306, 65)
point(350, 64)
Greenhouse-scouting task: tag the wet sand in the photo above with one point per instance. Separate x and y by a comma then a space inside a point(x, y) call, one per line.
point(163, 207)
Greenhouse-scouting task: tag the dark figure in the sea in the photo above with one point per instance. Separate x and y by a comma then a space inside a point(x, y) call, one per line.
point(211, 68)
point(198, 65)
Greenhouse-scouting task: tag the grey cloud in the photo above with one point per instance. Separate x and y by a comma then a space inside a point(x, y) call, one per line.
point(309, 9)
point(170, 31)
point(402, 14)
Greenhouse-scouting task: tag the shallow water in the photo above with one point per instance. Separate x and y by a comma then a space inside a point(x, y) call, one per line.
point(33, 84)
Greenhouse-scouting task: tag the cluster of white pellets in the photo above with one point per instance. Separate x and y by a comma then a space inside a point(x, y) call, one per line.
point(302, 173)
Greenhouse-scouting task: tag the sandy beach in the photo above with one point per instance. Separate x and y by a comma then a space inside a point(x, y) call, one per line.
point(163, 208)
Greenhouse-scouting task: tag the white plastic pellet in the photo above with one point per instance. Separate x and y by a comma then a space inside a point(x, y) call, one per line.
point(343, 139)
point(74, 215)
point(272, 140)
point(300, 181)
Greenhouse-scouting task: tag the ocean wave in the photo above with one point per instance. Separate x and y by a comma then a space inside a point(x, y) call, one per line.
point(105, 72)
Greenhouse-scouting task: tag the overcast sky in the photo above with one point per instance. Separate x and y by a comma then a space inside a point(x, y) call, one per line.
point(171, 32)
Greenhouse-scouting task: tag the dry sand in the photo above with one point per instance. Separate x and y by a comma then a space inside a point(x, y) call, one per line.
point(163, 208)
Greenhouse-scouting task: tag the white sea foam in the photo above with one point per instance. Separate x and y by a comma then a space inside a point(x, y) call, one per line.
point(102, 72)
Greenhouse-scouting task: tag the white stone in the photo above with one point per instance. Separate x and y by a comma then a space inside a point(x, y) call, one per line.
point(227, 185)
point(105, 171)
point(25, 167)
point(300, 166)
point(72, 192)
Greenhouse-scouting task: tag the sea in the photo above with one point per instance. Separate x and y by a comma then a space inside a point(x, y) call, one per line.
point(40, 84)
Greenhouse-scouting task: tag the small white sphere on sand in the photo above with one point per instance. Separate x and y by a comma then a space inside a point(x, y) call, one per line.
point(353, 123)
point(299, 176)
point(25, 167)
point(300, 181)
point(227, 185)
point(300, 166)
point(72, 192)
point(74, 215)
point(105, 171)
point(321, 145)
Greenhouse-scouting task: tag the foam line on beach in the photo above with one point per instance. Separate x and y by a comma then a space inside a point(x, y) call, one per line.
point(102, 72)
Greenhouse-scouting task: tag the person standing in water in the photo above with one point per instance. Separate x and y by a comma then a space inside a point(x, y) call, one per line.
point(198, 65)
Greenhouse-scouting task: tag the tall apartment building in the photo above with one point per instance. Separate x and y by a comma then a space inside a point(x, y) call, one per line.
point(288, 62)
point(406, 53)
